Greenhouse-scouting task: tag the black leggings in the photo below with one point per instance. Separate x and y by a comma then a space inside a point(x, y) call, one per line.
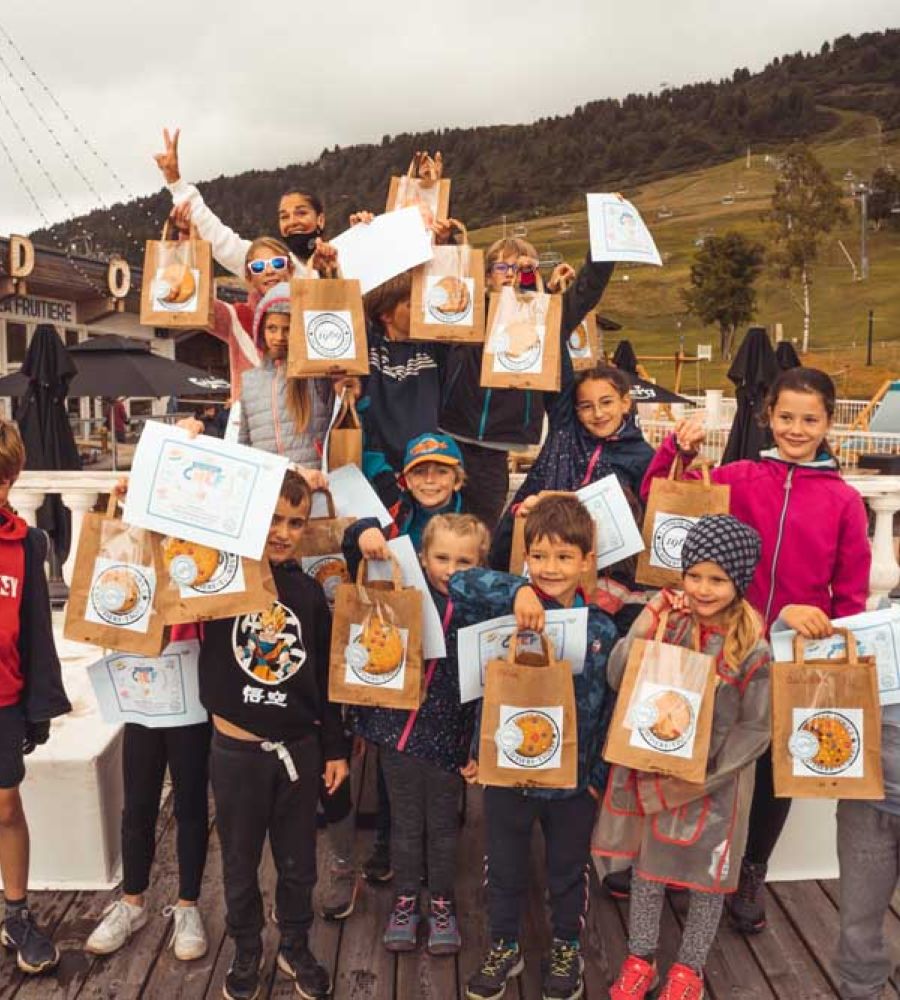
point(767, 814)
point(145, 755)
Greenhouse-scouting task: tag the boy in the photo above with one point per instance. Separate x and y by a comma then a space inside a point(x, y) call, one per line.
point(559, 545)
point(31, 694)
point(264, 681)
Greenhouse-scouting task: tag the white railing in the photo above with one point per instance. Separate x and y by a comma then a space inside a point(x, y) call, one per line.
point(845, 411)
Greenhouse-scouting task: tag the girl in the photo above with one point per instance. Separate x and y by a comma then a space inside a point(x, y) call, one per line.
point(489, 423)
point(593, 434)
point(422, 754)
point(680, 833)
point(814, 564)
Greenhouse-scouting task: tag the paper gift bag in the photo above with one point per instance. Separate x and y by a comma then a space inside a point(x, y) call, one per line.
point(529, 729)
point(583, 343)
point(521, 349)
point(199, 583)
point(113, 600)
point(423, 187)
point(345, 438)
point(447, 298)
point(826, 726)
point(320, 549)
point(328, 328)
point(517, 564)
point(177, 290)
point(376, 643)
point(673, 506)
point(662, 720)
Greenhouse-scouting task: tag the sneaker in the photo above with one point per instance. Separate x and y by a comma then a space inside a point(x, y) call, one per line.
point(242, 980)
point(403, 925)
point(618, 883)
point(311, 979)
point(502, 963)
point(636, 979)
point(378, 867)
point(120, 921)
point(746, 906)
point(188, 939)
point(338, 895)
point(35, 952)
point(682, 983)
point(563, 976)
point(443, 930)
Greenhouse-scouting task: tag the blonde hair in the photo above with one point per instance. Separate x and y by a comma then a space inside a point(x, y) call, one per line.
point(507, 246)
point(12, 451)
point(271, 243)
point(744, 629)
point(299, 405)
point(462, 525)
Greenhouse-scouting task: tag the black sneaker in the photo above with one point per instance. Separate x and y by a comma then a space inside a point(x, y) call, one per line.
point(311, 979)
point(242, 981)
point(746, 906)
point(563, 974)
point(502, 963)
point(378, 866)
point(35, 952)
point(618, 883)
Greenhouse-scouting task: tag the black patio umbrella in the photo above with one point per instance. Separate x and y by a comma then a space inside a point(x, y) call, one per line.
point(786, 355)
point(753, 370)
point(44, 424)
point(642, 391)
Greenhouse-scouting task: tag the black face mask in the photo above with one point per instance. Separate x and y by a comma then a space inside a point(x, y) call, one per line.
point(303, 245)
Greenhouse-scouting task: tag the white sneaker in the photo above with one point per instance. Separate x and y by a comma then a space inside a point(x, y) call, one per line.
point(188, 936)
point(120, 921)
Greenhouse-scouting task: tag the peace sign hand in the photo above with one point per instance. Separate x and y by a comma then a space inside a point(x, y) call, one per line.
point(168, 161)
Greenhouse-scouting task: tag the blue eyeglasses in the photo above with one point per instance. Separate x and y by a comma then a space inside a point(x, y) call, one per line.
point(259, 266)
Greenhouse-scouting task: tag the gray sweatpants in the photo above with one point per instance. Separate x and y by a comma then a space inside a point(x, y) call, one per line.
point(869, 853)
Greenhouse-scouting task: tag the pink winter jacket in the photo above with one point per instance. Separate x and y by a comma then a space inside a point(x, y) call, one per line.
point(814, 530)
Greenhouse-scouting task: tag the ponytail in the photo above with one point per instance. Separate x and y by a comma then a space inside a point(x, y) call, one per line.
point(299, 404)
point(743, 632)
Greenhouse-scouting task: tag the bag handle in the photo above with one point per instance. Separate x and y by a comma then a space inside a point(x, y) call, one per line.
point(362, 575)
point(676, 470)
point(112, 504)
point(546, 648)
point(329, 503)
point(663, 624)
point(193, 235)
point(426, 168)
point(851, 657)
point(456, 224)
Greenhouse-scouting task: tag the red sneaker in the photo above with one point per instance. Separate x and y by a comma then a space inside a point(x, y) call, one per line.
point(682, 983)
point(636, 979)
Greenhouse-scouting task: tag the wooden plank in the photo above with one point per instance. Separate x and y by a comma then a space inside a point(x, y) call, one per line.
point(604, 942)
point(536, 936)
point(814, 919)
point(49, 909)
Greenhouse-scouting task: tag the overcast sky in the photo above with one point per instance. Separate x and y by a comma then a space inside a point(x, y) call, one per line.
point(261, 84)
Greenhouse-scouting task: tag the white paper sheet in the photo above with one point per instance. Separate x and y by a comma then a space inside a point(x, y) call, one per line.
point(566, 628)
point(354, 496)
point(335, 410)
point(618, 232)
point(877, 634)
point(154, 691)
point(203, 489)
point(618, 536)
point(434, 646)
point(387, 246)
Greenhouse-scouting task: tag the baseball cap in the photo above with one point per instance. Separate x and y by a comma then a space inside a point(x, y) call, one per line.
point(432, 448)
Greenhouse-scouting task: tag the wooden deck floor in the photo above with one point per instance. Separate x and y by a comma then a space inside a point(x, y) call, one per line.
point(790, 961)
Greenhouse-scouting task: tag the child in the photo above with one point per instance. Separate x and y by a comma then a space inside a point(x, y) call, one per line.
point(422, 753)
point(679, 833)
point(31, 694)
point(264, 681)
point(814, 563)
point(559, 544)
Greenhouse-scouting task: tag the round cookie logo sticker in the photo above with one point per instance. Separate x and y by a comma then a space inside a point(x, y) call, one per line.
point(668, 539)
point(329, 335)
point(529, 739)
point(448, 300)
point(827, 743)
point(329, 572)
point(224, 575)
point(665, 721)
point(121, 595)
point(360, 663)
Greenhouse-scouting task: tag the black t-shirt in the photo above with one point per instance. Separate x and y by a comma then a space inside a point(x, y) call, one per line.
point(267, 672)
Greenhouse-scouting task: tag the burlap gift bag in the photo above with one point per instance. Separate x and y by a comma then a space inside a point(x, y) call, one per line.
point(447, 297)
point(328, 328)
point(376, 643)
point(662, 721)
point(673, 505)
point(320, 551)
point(424, 187)
point(521, 349)
point(200, 584)
point(345, 438)
point(114, 597)
point(826, 726)
point(529, 728)
point(517, 562)
point(177, 289)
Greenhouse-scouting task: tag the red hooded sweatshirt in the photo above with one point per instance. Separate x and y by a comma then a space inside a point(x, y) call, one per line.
point(12, 577)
